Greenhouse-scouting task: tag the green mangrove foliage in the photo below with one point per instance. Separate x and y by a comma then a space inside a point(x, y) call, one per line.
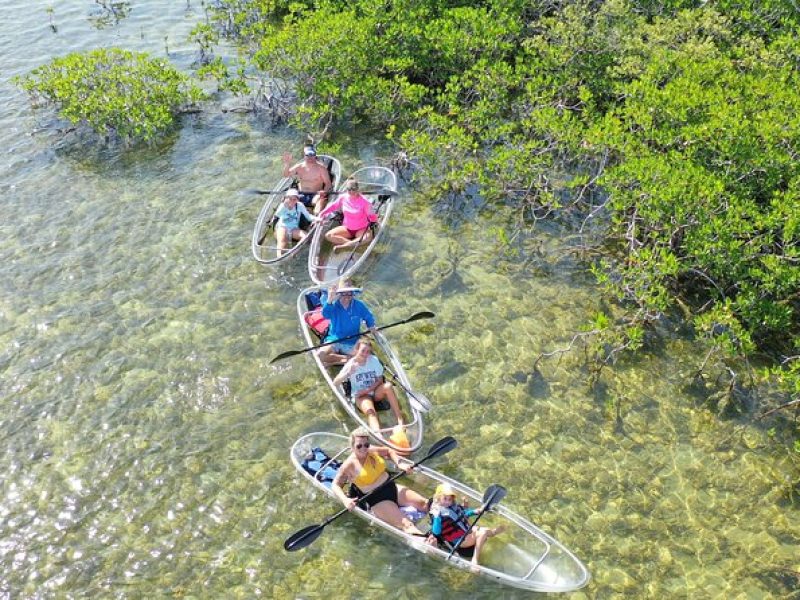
point(119, 94)
point(671, 124)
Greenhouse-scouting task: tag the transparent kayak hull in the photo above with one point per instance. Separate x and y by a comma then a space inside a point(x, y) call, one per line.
point(523, 556)
point(414, 427)
point(326, 265)
point(263, 244)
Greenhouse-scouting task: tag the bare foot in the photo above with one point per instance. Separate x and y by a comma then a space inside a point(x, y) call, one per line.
point(497, 530)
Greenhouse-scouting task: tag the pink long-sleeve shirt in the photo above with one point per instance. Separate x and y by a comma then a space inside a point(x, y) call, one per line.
point(357, 210)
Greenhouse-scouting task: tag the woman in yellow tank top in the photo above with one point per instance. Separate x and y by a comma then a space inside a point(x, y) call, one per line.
point(365, 470)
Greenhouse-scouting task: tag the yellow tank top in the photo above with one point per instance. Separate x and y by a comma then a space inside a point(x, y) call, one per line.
point(373, 468)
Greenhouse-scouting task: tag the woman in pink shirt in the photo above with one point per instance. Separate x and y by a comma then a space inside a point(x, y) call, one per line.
point(358, 215)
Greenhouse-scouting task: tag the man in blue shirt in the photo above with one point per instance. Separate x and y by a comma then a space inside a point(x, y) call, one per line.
point(345, 314)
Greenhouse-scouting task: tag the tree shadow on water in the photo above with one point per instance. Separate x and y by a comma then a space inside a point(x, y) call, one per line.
point(536, 385)
point(452, 282)
point(449, 371)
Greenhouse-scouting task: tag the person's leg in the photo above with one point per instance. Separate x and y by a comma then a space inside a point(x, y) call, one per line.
point(367, 406)
point(389, 512)
point(362, 236)
point(481, 535)
point(338, 236)
point(480, 539)
point(408, 497)
point(282, 237)
point(298, 234)
point(386, 391)
point(319, 203)
point(330, 357)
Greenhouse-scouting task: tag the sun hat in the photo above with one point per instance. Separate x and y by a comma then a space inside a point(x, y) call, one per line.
point(350, 289)
point(292, 192)
point(444, 489)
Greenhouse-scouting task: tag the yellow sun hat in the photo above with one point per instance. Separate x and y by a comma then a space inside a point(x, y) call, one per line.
point(444, 489)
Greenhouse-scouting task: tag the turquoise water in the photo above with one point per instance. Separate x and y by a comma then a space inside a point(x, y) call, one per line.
point(146, 435)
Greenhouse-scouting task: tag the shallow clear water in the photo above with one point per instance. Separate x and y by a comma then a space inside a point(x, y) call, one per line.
point(146, 436)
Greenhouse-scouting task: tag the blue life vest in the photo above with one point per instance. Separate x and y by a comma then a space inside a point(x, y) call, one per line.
point(313, 464)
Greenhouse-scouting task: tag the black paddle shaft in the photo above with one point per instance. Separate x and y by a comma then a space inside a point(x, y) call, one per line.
point(425, 314)
point(306, 536)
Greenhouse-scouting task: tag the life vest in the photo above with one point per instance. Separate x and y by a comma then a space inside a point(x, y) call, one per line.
point(454, 522)
point(317, 323)
point(321, 466)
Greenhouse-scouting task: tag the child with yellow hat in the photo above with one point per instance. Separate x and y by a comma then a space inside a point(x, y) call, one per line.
point(450, 522)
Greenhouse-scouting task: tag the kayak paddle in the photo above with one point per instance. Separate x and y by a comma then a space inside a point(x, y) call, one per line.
point(425, 314)
point(417, 400)
point(306, 536)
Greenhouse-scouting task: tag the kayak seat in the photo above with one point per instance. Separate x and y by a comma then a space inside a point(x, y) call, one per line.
point(380, 405)
point(321, 466)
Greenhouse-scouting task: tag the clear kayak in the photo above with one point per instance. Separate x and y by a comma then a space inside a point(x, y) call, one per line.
point(263, 244)
point(411, 437)
point(325, 265)
point(522, 556)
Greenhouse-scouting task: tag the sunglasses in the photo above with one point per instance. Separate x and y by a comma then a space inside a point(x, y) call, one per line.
point(347, 294)
point(361, 445)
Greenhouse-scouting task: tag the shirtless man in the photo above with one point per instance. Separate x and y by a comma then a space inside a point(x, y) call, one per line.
point(313, 178)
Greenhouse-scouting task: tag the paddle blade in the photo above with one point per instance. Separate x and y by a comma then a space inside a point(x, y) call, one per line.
point(425, 314)
point(493, 495)
point(286, 354)
point(443, 446)
point(303, 538)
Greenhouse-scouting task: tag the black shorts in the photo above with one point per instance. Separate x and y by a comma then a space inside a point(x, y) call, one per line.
point(465, 552)
point(387, 491)
point(307, 198)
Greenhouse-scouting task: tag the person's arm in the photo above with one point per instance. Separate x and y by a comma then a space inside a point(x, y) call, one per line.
point(369, 210)
point(366, 315)
point(344, 373)
point(390, 453)
point(287, 168)
point(329, 305)
point(436, 523)
point(305, 213)
point(339, 480)
point(326, 180)
point(331, 208)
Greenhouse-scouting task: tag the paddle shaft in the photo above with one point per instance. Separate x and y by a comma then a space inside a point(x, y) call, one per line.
point(330, 193)
point(498, 494)
point(343, 267)
point(416, 395)
point(415, 317)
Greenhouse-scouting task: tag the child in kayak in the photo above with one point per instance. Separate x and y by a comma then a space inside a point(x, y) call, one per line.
point(288, 226)
point(449, 523)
